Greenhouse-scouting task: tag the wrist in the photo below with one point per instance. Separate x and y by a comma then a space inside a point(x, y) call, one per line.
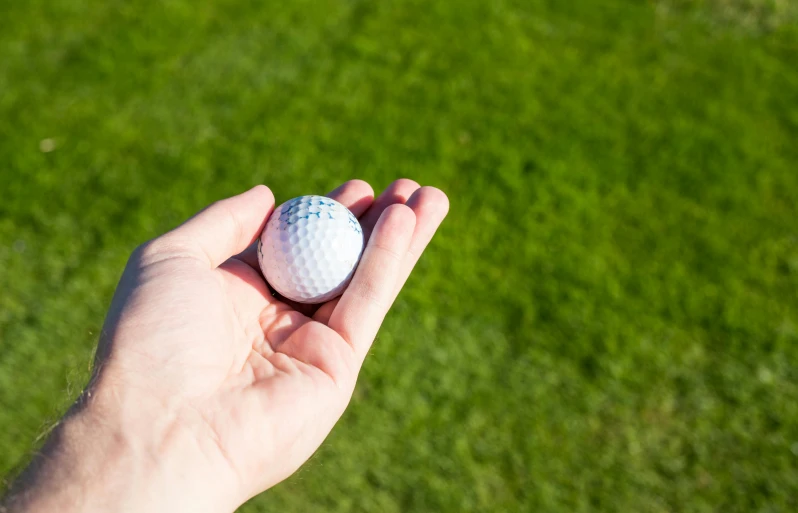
point(123, 453)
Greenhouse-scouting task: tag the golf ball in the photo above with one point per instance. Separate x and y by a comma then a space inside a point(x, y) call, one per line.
point(309, 249)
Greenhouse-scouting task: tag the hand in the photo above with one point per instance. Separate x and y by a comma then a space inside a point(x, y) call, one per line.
point(220, 387)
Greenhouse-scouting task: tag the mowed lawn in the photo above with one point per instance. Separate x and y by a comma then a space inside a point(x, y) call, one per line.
point(608, 319)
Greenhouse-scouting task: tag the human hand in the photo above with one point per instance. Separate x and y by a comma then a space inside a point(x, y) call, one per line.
point(209, 389)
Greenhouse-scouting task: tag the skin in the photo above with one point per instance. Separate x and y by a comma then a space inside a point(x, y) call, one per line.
point(208, 390)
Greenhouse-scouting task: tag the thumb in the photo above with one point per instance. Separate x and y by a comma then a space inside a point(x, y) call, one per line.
point(226, 227)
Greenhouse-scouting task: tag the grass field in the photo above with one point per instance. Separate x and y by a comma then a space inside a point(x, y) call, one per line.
point(608, 319)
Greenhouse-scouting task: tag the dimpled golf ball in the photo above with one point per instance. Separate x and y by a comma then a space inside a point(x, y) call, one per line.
point(310, 248)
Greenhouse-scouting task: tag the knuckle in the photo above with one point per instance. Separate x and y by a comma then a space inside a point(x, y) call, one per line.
point(388, 251)
point(235, 224)
point(148, 250)
point(156, 250)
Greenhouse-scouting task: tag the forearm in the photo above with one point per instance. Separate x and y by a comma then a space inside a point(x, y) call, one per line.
point(98, 460)
point(79, 469)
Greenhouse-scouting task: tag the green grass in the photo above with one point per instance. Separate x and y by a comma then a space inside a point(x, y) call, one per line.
point(607, 321)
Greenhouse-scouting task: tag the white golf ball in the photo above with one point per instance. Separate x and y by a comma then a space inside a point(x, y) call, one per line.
point(310, 248)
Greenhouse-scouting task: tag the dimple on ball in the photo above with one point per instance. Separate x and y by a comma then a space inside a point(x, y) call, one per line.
point(310, 248)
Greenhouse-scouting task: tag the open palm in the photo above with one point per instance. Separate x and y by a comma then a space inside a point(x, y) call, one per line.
point(254, 382)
